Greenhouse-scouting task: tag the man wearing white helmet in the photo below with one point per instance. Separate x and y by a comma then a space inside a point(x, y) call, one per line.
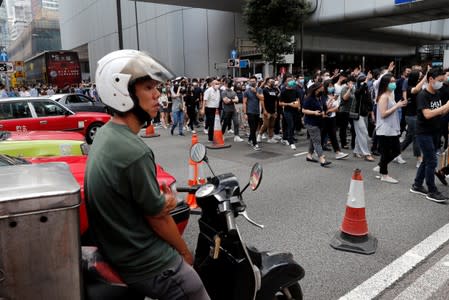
point(128, 215)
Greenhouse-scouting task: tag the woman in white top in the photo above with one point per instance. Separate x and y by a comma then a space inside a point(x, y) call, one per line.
point(388, 126)
point(329, 128)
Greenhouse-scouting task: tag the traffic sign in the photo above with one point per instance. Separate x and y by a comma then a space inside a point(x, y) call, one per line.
point(400, 2)
point(3, 56)
point(234, 54)
point(244, 63)
point(6, 67)
point(233, 63)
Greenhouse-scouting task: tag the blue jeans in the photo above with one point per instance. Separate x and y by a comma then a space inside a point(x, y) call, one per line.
point(178, 120)
point(428, 145)
point(410, 137)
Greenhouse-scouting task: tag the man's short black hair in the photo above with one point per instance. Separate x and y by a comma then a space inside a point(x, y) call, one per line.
point(435, 72)
point(253, 77)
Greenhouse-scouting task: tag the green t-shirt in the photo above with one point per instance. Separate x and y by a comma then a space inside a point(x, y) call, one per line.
point(121, 189)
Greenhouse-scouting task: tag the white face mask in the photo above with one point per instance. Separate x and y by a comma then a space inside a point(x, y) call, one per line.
point(437, 85)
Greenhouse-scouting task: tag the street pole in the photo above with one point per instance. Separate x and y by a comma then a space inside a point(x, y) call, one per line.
point(302, 49)
point(119, 24)
point(137, 25)
point(322, 62)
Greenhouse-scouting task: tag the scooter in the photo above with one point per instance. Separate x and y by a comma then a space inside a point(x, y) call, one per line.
point(228, 268)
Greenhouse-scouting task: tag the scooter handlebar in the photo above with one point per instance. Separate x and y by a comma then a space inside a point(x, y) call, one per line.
point(230, 221)
point(188, 189)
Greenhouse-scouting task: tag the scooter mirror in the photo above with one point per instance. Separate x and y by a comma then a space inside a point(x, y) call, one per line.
point(198, 152)
point(256, 176)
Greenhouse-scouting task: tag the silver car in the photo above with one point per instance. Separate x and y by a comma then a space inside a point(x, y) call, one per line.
point(79, 102)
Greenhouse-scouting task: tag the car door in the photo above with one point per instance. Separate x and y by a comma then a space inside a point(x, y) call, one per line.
point(75, 103)
point(16, 115)
point(53, 116)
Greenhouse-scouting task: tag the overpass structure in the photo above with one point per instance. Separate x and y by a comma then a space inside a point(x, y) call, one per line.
point(195, 37)
point(409, 22)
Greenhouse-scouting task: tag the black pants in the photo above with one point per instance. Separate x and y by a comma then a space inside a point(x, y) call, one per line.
point(210, 119)
point(390, 147)
point(343, 121)
point(330, 129)
point(191, 113)
point(253, 122)
point(227, 119)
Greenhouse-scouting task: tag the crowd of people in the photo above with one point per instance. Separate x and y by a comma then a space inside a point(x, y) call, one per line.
point(372, 113)
point(37, 90)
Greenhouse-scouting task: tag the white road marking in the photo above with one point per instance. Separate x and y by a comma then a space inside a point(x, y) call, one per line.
point(299, 154)
point(386, 277)
point(426, 285)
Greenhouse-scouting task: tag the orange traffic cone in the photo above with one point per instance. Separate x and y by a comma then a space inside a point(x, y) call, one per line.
point(196, 176)
point(354, 229)
point(218, 135)
point(150, 132)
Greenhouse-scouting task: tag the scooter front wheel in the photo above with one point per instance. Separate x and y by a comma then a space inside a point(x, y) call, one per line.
point(292, 292)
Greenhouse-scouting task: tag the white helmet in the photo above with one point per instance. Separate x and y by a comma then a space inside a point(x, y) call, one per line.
point(117, 69)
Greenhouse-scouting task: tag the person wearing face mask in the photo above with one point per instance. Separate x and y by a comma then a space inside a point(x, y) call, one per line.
point(329, 128)
point(444, 92)
point(229, 98)
point(210, 105)
point(251, 110)
point(387, 126)
point(429, 112)
point(269, 106)
point(315, 110)
point(347, 96)
point(290, 104)
point(364, 107)
point(163, 106)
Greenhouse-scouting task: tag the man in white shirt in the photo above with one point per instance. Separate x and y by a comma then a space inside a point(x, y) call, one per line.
point(210, 105)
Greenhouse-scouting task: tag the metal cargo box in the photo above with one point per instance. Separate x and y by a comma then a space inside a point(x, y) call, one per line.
point(39, 233)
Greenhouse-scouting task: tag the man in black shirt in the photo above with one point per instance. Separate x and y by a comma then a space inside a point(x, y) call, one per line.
point(429, 109)
point(269, 106)
point(290, 103)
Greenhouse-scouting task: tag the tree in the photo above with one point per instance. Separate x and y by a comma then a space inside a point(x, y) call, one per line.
point(272, 23)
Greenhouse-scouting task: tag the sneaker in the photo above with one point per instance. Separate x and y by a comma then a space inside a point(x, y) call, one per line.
point(259, 138)
point(341, 155)
point(285, 142)
point(293, 147)
point(437, 197)
point(277, 137)
point(376, 169)
point(257, 147)
point(206, 131)
point(387, 178)
point(238, 139)
point(272, 141)
point(398, 159)
point(193, 131)
point(419, 190)
point(264, 136)
point(230, 131)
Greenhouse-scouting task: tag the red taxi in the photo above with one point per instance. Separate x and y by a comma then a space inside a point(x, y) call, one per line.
point(28, 114)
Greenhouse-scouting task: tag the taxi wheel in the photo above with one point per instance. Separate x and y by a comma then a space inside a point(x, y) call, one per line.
point(91, 131)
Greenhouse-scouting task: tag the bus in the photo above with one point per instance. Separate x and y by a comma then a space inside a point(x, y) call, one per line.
point(56, 68)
